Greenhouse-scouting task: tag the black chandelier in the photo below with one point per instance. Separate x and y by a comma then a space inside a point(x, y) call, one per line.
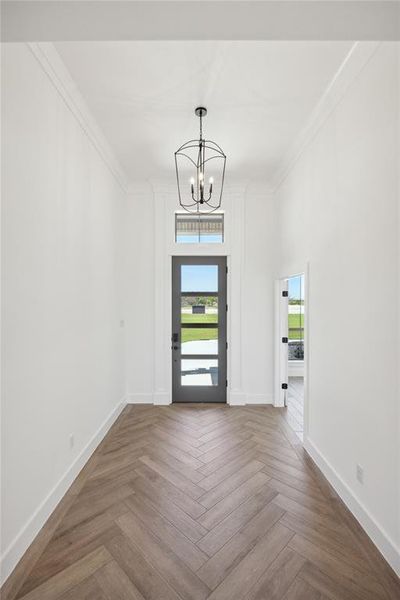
point(192, 161)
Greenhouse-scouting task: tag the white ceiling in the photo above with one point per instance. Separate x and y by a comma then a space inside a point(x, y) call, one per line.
point(259, 96)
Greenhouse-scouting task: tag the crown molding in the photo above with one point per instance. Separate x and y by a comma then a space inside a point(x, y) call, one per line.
point(355, 61)
point(49, 59)
point(52, 64)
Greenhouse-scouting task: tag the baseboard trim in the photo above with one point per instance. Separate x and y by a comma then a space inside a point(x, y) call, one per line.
point(164, 399)
point(18, 547)
point(161, 398)
point(140, 398)
point(379, 537)
point(157, 398)
point(241, 399)
point(259, 399)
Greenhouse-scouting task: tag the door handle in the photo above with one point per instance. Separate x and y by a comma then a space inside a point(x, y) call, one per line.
point(175, 339)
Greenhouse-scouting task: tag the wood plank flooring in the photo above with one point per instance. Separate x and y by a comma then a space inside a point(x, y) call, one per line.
point(204, 502)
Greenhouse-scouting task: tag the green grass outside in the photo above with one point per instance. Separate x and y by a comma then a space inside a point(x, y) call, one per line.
point(295, 322)
point(191, 335)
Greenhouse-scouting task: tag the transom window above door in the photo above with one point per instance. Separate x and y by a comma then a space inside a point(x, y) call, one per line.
point(199, 229)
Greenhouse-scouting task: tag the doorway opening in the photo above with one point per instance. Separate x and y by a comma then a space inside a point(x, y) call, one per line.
point(199, 344)
point(295, 391)
point(291, 341)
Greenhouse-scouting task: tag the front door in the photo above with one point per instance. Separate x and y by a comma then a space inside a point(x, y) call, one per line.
point(199, 329)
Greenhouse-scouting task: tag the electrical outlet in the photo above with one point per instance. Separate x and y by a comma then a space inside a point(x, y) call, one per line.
point(71, 441)
point(360, 473)
point(122, 323)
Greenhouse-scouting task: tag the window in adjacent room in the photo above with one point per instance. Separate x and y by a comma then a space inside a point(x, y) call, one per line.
point(296, 317)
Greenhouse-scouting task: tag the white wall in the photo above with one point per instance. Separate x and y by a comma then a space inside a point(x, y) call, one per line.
point(338, 209)
point(63, 344)
point(139, 288)
point(259, 264)
point(69, 237)
point(251, 251)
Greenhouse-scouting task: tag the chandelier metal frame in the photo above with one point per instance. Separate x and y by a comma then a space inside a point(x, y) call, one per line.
point(199, 200)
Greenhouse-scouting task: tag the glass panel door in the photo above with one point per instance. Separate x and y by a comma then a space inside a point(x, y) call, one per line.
point(199, 329)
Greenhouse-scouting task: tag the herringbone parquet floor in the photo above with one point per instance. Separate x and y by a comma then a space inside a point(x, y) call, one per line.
point(206, 502)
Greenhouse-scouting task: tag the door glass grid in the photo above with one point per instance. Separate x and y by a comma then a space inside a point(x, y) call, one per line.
point(199, 325)
point(199, 309)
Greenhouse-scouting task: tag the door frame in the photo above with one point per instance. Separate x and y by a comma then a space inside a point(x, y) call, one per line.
point(162, 365)
point(221, 261)
point(280, 349)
